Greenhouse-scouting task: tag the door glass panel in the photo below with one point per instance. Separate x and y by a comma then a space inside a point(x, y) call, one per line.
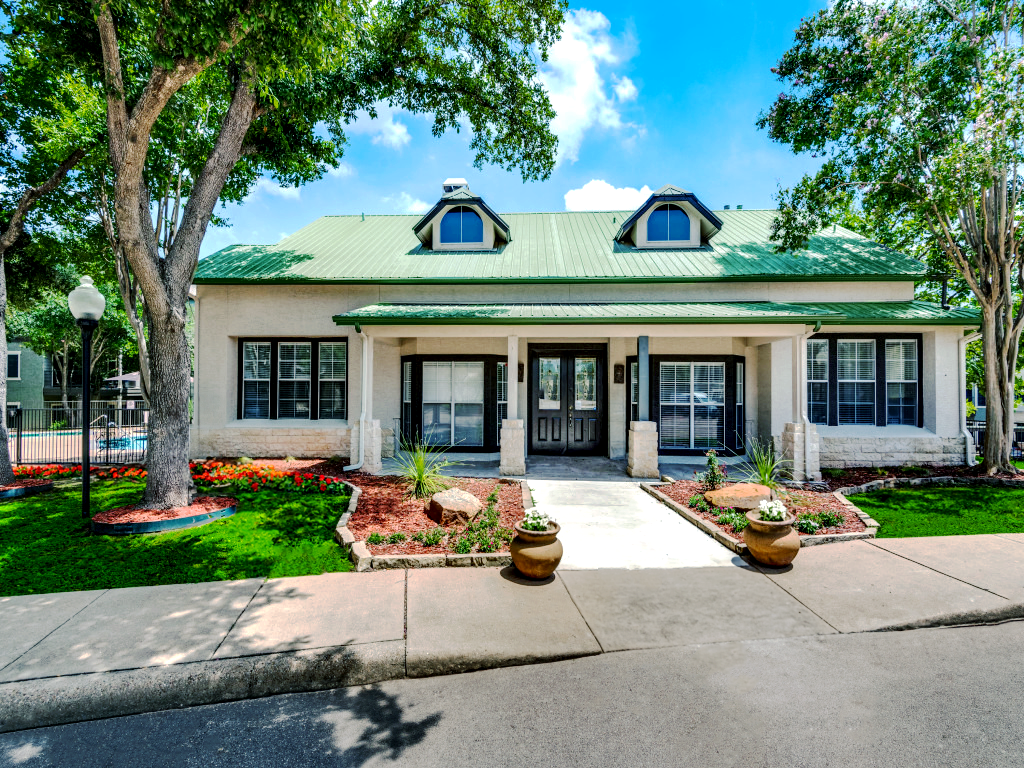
point(586, 384)
point(550, 383)
point(469, 423)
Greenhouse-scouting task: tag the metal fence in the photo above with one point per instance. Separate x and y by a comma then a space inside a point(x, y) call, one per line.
point(54, 435)
point(977, 430)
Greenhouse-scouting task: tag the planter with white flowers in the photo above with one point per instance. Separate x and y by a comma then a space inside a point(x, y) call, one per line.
point(536, 550)
point(770, 537)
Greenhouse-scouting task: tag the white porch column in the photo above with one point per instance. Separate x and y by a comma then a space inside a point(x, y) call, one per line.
point(800, 437)
point(513, 377)
point(513, 431)
point(372, 439)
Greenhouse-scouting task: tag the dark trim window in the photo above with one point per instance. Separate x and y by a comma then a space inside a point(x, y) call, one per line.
point(454, 400)
point(462, 225)
point(14, 365)
point(864, 379)
point(256, 380)
point(293, 379)
point(502, 395)
point(668, 223)
point(333, 379)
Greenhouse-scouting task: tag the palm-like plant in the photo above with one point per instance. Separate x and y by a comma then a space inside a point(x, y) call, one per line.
point(765, 466)
point(422, 466)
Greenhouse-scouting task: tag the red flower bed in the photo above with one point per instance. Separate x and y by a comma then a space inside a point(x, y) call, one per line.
point(255, 477)
point(48, 471)
point(384, 507)
point(798, 502)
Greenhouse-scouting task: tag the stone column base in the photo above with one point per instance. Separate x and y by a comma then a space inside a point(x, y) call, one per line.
point(513, 447)
point(372, 445)
point(642, 458)
point(804, 467)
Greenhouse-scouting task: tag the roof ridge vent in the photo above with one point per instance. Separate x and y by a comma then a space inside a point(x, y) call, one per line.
point(450, 185)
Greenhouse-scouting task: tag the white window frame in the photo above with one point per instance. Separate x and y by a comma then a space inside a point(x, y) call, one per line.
point(281, 378)
point(812, 380)
point(873, 381)
point(453, 402)
point(321, 379)
point(246, 378)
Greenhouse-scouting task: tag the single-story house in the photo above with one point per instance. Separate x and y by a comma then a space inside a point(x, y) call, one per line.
point(663, 331)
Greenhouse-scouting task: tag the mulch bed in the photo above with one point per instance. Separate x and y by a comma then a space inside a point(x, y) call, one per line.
point(798, 502)
point(27, 482)
point(861, 475)
point(203, 505)
point(385, 507)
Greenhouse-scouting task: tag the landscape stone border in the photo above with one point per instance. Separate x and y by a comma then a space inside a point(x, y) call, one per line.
point(739, 546)
point(893, 482)
point(364, 560)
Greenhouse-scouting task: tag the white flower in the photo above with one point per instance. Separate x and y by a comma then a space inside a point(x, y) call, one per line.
point(772, 510)
point(535, 520)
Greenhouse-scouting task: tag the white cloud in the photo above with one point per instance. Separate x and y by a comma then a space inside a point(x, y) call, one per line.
point(384, 129)
point(406, 203)
point(574, 76)
point(599, 195)
point(342, 170)
point(271, 188)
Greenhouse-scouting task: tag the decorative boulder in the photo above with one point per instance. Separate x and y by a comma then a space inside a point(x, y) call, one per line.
point(453, 506)
point(742, 496)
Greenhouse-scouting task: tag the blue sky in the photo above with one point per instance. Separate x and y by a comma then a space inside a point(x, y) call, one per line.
point(646, 94)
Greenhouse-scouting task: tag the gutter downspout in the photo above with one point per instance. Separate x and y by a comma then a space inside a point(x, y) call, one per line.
point(362, 401)
point(962, 376)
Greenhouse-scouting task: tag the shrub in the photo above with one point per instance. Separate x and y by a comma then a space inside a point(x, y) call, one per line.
point(432, 537)
point(422, 467)
point(714, 476)
point(463, 546)
point(419, 536)
point(396, 538)
point(698, 503)
point(62, 424)
point(732, 517)
point(807, 524)
point(765, 467)
point(244, 460)
point(830, 519)
point(833, 473)
point(375, 538)
point(289, 458)
point(918, 471)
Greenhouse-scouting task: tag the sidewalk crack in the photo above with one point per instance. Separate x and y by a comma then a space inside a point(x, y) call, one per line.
point(233, 623)
point(590, 629)
point(801, 602)
point(936, 570)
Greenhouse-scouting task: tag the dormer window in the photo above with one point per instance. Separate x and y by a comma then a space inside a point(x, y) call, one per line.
point(462, 225)
point(668, 223)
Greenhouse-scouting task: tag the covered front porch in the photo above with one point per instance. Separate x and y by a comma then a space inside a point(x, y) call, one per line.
point(533, 389)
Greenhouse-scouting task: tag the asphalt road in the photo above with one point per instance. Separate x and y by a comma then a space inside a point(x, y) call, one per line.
point(938, 697)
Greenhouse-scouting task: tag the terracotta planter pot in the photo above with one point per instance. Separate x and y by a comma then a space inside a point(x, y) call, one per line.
point(770, 542)
point(536, 554)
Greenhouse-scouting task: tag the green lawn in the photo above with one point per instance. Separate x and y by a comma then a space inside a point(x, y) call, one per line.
point(46, 547)
point(944, 510)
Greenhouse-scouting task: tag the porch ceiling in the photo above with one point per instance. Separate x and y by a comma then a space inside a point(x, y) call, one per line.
point(756, 312)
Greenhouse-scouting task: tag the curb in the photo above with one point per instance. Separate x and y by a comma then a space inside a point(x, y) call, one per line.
point(160, 526)
point(25, 490)
point(49, 701)
point(364, 560)
point(1011, 612)
point(895, 482)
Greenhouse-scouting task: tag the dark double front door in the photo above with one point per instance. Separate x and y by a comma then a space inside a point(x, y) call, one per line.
point(567, 400)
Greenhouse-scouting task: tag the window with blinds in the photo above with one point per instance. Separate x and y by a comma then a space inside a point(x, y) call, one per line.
point(293, 380)
point(817, 380)
point(256, 380)
point(634, 391)
point(333, 394)
point(453, 402)
point(691, 405)
point(901, 381)
point(740, 417)
point(502, 396)
point(855, 360)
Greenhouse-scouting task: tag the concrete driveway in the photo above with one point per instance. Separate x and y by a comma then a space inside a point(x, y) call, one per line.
point(609, 524)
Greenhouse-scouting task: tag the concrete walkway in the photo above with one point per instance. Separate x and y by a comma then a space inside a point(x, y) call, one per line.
point(84, 655)
point(607, 524)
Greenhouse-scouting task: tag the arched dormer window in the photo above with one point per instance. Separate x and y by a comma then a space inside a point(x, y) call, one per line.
point(668, 223)
point(462, 225)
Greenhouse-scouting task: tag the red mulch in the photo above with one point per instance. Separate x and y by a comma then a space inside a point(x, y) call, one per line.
point(27, 482)
point(862, 475)
point(133, 514)
point(385, 507)
point(798, 502)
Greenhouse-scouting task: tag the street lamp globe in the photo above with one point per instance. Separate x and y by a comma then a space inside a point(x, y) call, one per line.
point(86, 302)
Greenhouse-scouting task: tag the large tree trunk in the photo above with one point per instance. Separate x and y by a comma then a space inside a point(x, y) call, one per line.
point(6, 470)
point(168, 481)
point(1000, 356)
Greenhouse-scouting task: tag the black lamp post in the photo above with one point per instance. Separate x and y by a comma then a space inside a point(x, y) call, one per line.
point(87, 305)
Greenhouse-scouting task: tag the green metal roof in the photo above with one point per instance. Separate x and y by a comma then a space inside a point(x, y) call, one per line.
point(760, 312)
point(549, 247)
